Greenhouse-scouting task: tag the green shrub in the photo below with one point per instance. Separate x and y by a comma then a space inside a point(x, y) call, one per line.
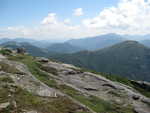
point(5, 51)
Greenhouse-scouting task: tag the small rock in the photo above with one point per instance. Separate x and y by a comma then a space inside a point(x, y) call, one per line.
point(136, 97)
point(42, 59)
point(4, 105)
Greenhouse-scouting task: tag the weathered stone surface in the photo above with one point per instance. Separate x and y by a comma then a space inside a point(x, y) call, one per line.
point(146, 100)
point(97, 85)
point(2, 56)
point(140, 110)
point(29, 82)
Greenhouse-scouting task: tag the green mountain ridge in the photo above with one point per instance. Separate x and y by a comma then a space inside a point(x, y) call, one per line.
point(129, 59)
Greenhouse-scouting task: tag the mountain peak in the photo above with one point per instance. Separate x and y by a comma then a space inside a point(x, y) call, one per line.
point(129, 44)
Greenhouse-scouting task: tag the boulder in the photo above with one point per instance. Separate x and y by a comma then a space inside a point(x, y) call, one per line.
point(136, 97)
point(21, 50)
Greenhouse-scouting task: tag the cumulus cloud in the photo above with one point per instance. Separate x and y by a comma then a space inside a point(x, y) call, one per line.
point(78, 12)
point(50, 19)
point(128, 17)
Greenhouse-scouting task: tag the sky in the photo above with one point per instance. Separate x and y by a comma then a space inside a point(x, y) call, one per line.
point(67, 19)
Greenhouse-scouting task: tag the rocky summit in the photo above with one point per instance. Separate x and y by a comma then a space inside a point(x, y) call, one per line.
point(39, 85)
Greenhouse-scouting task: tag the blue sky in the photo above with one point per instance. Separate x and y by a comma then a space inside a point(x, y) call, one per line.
point(30, 12)
point(67, 19)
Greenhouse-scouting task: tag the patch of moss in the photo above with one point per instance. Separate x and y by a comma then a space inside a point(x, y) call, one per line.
point(6, 79)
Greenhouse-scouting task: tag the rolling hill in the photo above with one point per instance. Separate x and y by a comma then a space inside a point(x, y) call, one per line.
point(129, 59)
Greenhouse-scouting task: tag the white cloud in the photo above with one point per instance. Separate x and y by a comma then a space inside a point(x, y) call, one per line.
point(50, 19)
point(128, 17)
point(78, 12)
point(67, 21)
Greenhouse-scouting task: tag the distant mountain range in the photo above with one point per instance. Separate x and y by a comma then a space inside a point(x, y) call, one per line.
point(98, 42)
point(38, 43)
point(145, 42)
point(129, 59)
point(76, 45)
